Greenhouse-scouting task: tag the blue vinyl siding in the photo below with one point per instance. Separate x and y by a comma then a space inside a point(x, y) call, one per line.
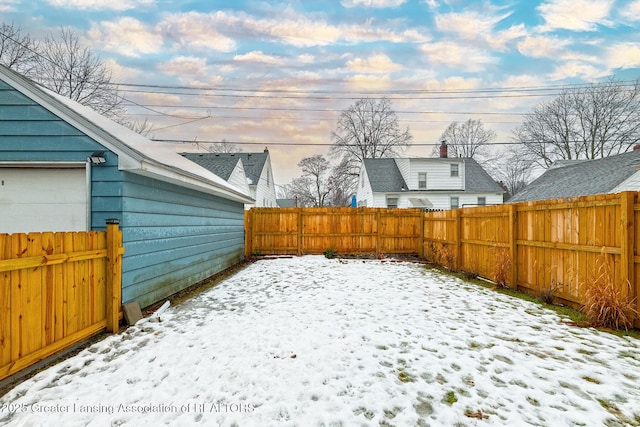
point(173, 237)
point(106, 192)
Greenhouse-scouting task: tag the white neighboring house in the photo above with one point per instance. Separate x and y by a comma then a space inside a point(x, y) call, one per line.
point(427, 183)
point(252, 170)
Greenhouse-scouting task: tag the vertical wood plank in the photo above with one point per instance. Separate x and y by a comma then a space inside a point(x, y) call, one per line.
point(5, 303)
point(71, 289)
point(114, 275)
point(513, 244)
point(627, 235)
point(18, 311)
point(299, 232)
point(60, 296)
point(49, 296)
point(458, 260)
point(248, 236)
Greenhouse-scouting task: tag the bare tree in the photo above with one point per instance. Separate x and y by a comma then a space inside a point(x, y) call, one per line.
point(513, 169)
point(320, 184)
point(583, 122)
point(341, 184)
point(224, 146)
point(144, 128)
point(369, 129)
point(300, 189)
point(63, 66)
point(75, 72)
point(468, 139)
point(315, 169)
point(17, 51)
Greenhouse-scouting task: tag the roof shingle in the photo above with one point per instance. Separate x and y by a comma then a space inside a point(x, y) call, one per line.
point(581, 178)
point(253, 163)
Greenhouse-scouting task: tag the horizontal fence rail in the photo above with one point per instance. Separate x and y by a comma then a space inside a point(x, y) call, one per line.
point(551, 245)
point(56, 289)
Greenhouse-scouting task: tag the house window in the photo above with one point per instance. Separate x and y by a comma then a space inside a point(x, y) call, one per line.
point(454, 170)
point(268, 178)
point(392, 202)
point(455, 203)
point(422, 180)
point(482, 201)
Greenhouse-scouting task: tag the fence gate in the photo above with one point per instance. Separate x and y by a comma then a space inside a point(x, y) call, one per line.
point(56, 289)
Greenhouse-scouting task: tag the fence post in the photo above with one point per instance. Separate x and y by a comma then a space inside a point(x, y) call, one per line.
point(627, 233)
point(248, 235)
point(114, 274)
point(421, 243)
point(379, 231)
point(513, 244)
point(300, 237)
point(458, 239)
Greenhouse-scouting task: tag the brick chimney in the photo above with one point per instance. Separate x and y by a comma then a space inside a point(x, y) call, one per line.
point(636, 147)
point(444, 150)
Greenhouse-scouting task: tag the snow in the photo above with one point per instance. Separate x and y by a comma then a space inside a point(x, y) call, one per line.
point(315, 342)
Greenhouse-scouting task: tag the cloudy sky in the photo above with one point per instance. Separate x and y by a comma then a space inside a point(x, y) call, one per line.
point(278, 74)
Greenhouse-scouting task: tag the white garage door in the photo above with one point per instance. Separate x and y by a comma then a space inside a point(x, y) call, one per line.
point(43, 199)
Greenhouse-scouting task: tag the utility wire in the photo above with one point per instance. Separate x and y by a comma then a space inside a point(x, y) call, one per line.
point(324, 110)
point(557, 87)
point(327, 144)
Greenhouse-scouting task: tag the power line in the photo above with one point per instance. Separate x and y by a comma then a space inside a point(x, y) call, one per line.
point(328, 144)
point(296, 144)
point(393, 97)
point(218, 117)
point(557, 87)
point(323, 110)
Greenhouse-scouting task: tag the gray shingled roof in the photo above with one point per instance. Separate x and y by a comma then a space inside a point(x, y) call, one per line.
point(221, 166)
point(385, 177)
point(477, 179)
point(253, 163)
point(583, 178)
point(286, 203)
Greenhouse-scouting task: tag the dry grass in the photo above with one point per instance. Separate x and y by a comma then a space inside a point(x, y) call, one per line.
point(605, 305)
point(547, 295)
point(443, 255)
point(502, 268)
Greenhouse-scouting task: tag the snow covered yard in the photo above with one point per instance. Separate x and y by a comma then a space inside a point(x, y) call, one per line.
point(315, 342)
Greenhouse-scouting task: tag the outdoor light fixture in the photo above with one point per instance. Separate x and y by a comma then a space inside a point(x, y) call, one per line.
point(97, 158)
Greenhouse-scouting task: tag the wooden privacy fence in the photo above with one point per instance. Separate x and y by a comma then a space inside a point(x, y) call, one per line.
point(557, 245)
point(56, 289)
point(345, 230)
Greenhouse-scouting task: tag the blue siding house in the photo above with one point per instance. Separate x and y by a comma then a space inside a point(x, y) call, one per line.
point(64, 167)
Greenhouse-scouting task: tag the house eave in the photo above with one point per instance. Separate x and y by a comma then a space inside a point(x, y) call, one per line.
point(129, 159)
